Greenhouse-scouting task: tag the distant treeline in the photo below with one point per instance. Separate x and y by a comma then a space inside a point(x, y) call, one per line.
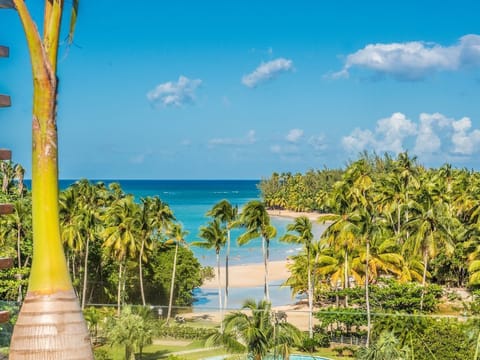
point(299, 192)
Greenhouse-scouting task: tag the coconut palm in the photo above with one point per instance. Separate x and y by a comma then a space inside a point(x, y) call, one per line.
point(386, 347)
point(228, 216)
point(50, 295)
point(176, 236)
point(214, 237)
point(121, 235)
point(256, 221)
point(130, 330)
point(90, 199)
point(427, 231)
point(256, 331)
point(302, 228)
point(155, 217)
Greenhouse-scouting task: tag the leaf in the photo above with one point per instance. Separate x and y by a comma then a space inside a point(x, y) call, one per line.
point(73, 21)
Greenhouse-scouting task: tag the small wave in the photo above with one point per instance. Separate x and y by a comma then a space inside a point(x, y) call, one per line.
point(169, 192)
point(220, 192)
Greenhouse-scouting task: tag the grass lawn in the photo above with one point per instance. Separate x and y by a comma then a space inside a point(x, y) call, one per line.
point(154, 352)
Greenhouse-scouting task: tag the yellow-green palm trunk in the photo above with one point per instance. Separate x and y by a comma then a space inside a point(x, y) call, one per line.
point(49, 268)
point(50, 324)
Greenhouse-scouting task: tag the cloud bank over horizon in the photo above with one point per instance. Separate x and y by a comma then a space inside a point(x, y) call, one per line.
point(433, 135)
point(414, 60)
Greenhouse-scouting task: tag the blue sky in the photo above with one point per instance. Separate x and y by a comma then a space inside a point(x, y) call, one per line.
point(239, 89)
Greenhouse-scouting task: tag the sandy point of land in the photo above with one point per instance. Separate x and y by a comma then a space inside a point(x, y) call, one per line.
point(312, 216)
point(249, 275)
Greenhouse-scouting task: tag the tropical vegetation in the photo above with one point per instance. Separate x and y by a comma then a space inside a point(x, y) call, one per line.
point(107, 236)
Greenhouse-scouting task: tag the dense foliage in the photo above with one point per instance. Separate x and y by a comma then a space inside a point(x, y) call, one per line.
point(299, 192)
point(421, 224)
point(385, 218)
point(102, 228)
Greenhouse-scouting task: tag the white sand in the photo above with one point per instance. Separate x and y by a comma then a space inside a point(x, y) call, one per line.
point(250, 275)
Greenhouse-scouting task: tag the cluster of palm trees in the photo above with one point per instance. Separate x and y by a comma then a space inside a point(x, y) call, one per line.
point(392, 217)
point(299, 192)
point(101, 228)
point(255, 222)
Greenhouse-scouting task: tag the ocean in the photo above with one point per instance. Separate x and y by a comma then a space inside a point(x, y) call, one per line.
point(190, 200)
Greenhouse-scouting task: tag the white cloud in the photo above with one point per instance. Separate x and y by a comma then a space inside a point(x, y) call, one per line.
point(414, 60)
point(358, 140)
point(393, 131)
point(174, 93)
point(267, 71)
point(465, 142)
point(433, 135)
point(294, 135)
point(248, 139)
point(428, 141)
point(387, 137)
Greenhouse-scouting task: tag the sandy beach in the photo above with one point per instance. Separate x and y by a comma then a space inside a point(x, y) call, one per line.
point(312, 216)
point(250, 275)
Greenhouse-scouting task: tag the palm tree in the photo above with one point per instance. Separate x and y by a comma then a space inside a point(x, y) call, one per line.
point(303, 229)
point(154, 218)
point(130, 330)
point(121, 236)
point(90, 198)
point(386, 347)
point(213, 236)
point(256, 221)
point(176, 236)
point(256, 330)
point(228, 215)
point(428, 231)
point(50, 297)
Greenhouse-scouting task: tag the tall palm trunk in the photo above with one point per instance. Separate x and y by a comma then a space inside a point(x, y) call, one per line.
point(310, 297)
point(346, 282)
point(265, 251)
point(50, 324)
point(227, 255)
point(119, 288)
point(172, 283)
point(219, 282)
point(424, 277)
point(367, 297)
point(140, 270)
point(85, 273)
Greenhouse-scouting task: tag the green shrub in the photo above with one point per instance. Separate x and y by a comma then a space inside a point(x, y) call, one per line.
point(101, 354)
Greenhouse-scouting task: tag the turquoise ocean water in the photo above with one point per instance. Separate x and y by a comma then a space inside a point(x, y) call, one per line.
point(190, 200)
